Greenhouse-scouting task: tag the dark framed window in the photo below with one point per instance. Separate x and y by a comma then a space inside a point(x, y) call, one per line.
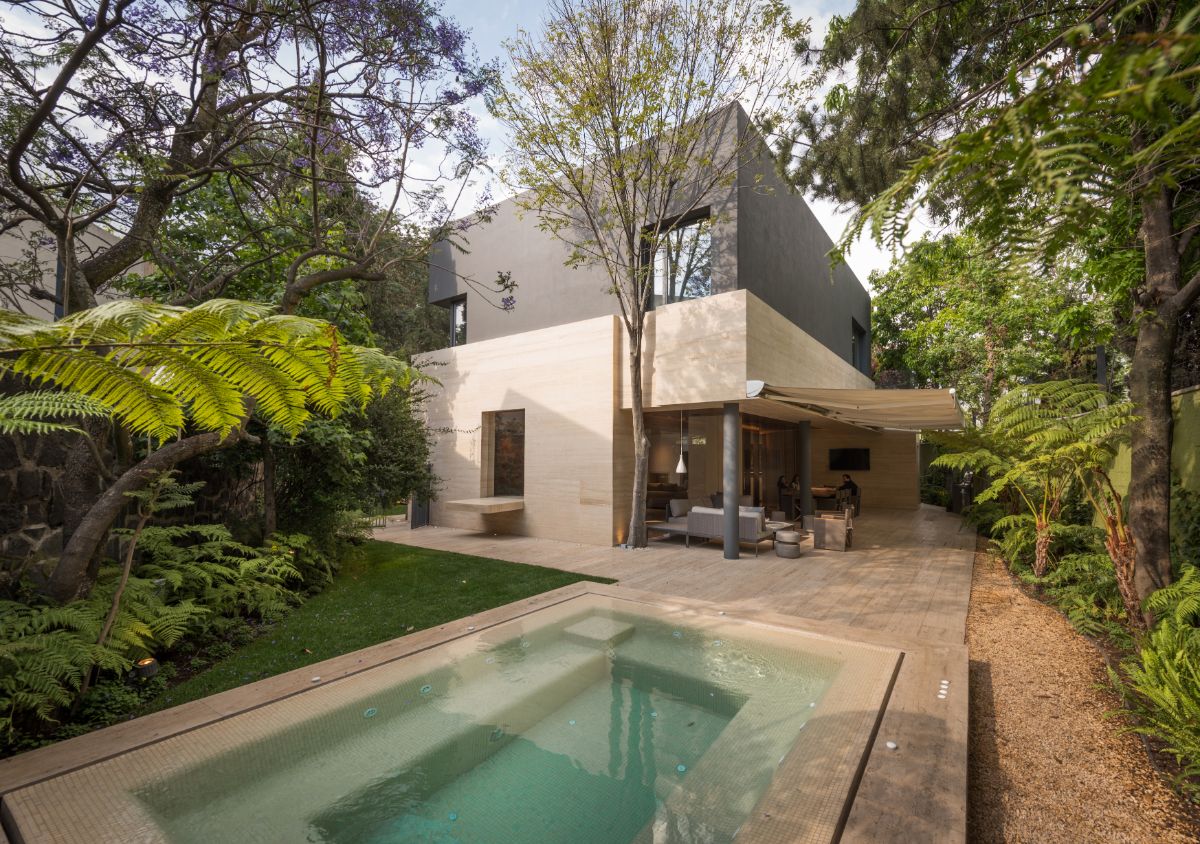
point(508, 452)
point(681, 261)
point(458, 321)
point(859, 353)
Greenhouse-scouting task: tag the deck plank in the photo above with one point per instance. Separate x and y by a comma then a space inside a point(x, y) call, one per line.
point(909, 571)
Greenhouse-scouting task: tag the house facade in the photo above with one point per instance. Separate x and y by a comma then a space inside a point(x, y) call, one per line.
point(531, 419)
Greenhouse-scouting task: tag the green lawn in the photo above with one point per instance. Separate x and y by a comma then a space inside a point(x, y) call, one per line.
point(393, 590)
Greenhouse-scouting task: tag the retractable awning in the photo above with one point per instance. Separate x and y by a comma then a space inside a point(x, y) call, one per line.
point(896, 410)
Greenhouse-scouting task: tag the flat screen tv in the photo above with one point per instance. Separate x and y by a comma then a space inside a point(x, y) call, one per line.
point(850, 459)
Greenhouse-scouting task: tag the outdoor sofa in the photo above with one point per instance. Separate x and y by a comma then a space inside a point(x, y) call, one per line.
point(692, 520)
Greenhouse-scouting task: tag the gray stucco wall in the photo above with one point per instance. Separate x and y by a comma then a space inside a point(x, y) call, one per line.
point(783, 260)
point(548, 292)
point(765, 239)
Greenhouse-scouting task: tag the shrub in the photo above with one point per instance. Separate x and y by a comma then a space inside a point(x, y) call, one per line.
point(1084, 587)
point(192, 581)
point(1162, 688)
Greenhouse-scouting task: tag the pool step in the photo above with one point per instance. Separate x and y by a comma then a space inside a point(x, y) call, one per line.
point(450, 733)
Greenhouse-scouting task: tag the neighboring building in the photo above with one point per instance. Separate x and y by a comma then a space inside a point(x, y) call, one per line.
point(532, 423)
point(29, 273)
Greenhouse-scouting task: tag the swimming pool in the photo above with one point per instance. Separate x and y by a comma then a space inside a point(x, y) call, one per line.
point(597, 720)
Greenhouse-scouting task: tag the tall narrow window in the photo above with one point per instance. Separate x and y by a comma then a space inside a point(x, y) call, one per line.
point(508, 452)
point(859, 353)
point(458, 322)
point(683, 263)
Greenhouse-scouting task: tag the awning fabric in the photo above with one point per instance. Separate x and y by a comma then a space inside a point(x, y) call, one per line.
point(896, 410)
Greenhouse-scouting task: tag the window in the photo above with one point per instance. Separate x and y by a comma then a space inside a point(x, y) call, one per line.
point(458, 322)
point(859, 354)
point(683, 263)
point(508, 452)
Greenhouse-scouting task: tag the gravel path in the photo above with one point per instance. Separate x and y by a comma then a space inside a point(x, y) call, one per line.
point(1045, 765)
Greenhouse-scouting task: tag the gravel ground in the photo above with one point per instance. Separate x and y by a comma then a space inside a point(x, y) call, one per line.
point(1045, 764)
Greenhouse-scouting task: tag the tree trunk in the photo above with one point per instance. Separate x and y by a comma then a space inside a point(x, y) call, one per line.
point(69, 579)
point(1156, 317)
point(641, 445)
point(1041, 548)
point(270, 520)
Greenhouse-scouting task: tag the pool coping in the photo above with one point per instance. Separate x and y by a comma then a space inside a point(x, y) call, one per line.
point(915, 790)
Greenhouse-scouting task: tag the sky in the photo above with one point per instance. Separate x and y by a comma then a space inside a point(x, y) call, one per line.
point(492, 21)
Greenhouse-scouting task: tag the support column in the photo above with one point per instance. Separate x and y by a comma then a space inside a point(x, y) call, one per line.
point(805, 455)
point(731, 455)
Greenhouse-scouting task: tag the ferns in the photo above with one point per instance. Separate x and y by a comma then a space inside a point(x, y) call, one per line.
point(190, 578)
point(155, 367)
point(44, 653)
point(1162, 687)
point(37, 412)
point(1181, 599)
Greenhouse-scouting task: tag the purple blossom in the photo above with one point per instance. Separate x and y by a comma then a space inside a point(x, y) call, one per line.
point(508, 303)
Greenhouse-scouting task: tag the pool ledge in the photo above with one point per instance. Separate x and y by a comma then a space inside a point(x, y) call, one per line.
point(910, 785)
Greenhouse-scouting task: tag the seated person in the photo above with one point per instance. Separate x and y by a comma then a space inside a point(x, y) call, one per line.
point(847, 494)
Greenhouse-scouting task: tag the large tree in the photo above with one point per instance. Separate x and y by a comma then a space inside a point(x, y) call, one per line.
point(1072, 118)
point(624, 121)
point(334, 135)
point(946, 314)
point(115, 109)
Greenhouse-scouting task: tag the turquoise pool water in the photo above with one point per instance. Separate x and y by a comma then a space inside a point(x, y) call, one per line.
point(591, 773)
point(598, 728)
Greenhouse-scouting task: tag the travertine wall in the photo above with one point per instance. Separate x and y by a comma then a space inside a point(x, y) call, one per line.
point(563, 379)
point(780, 353)
point(892, 480)
point(704, 351)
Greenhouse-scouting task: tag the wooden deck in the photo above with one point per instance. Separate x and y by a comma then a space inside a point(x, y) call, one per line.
point(908, 574)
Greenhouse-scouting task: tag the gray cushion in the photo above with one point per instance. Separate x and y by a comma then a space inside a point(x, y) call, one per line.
point(762, 511)
point(679, 507)
point(789, 536)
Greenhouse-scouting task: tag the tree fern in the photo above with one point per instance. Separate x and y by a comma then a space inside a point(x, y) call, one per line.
point(156, 367)
point(41, 412)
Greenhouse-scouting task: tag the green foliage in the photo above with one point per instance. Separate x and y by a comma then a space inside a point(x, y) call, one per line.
point(190, 581)
point(39, 412)
point(156, 367)
point(1084, 586)
point(1161, 686)
point(364, 461)
point(204, 565)
point(905, 74)
point(1185, 526)
point(389, 591)
point(1179, 600)
point(1116, 119)
point(944, 315)
point(933, 486)
point(1015, 539)
point(1040, 443)
point(44, 653)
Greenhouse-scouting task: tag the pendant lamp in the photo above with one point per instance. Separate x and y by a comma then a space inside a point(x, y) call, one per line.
point(681, 467)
